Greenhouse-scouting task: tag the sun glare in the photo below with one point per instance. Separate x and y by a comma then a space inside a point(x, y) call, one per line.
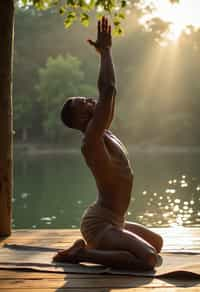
point(180, 15)
point(174, 32)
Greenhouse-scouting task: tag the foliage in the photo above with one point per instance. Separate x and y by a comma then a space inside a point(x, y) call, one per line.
point(158, 87)
point(60, 78)
point(73, 10)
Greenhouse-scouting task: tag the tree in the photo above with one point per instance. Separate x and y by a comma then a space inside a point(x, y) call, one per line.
point(60, 78)
point(23, 121)
point(6, 40)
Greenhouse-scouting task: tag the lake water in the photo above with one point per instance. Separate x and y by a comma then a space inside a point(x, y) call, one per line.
point(52, 191)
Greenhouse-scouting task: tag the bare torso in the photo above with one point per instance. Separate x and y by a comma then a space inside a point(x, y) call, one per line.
point(111, 168)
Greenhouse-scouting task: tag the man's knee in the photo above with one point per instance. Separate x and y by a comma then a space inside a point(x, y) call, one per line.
point(159, 243)
point(151, 259)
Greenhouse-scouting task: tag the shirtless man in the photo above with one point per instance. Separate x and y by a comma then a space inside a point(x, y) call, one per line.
point(109, 239)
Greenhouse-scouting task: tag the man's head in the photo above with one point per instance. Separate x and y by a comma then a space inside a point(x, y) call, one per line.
point(77, 112)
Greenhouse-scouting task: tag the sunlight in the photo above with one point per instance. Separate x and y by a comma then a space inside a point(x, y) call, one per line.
point(180, 15)
point(175, 32)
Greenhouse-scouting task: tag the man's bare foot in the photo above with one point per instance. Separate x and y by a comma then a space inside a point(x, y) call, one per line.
point(70, 255)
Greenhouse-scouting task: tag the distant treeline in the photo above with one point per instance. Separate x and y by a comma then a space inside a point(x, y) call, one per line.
point(158, 98)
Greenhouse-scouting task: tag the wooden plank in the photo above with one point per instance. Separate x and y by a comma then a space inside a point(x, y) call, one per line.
point(10, 274)
point(41, 239)
point(188, 238)
point(49, 232)
point(192, 289)
point(16, 281)
point(139, 289)
point(177, 244)
point(177, 232)
point(122, 282)
point(166, 289)
point(169, 233)
point(60, 289)
point(41, 242)
point(153, 282)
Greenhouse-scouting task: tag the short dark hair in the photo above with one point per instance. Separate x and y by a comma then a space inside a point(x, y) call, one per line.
point(67, 113)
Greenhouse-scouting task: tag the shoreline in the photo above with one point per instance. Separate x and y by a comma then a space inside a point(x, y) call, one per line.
point(41, 149)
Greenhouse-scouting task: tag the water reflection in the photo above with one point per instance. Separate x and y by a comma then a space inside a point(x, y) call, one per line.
point(53, 191)
point(171, 208)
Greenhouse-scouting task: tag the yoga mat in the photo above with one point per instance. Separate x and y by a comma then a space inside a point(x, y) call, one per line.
point(171, 263)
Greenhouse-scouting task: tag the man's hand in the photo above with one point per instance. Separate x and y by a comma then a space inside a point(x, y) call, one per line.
point(104, 38)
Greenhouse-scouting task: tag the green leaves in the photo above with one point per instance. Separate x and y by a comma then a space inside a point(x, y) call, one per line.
point(121, 15)
point(62, 10)
point(44, 4)
point(80, 10)
point(71, 14)
point(118, 31)
point(24, 2)
point(70, 18)
point(73, 10)
point(40, 4)
point(84, 18)
point(118, 17)
point(123, 3)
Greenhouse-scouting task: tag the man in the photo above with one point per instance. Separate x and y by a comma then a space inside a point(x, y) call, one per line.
point(110, 240)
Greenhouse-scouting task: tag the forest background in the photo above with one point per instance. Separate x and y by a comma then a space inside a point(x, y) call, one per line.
point(158, 99)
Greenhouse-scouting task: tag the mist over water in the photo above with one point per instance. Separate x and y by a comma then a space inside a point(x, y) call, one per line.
point(52, 191)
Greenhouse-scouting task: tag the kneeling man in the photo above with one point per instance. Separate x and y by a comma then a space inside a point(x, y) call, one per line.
point(108, 239)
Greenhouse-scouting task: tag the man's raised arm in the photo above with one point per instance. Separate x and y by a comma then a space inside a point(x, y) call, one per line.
point(106, 83)
point(106, 80)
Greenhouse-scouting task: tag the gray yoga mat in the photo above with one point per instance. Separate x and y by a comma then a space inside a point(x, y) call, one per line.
point(172, 263)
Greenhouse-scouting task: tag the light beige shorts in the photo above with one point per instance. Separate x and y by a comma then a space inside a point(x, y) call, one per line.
point(95, 221)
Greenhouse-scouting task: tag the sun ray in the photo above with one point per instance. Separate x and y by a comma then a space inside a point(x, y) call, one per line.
point(180, 15)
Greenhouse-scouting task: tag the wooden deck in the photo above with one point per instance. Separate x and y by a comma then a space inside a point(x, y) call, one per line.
point(15, 281)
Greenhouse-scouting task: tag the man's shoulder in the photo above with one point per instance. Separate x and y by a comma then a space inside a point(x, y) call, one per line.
point(89, 145)
point(94, 149)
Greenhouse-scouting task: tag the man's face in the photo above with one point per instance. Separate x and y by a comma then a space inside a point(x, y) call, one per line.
point(83, 109)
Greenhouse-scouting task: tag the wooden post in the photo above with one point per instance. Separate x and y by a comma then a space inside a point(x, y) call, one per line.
point(6, 130)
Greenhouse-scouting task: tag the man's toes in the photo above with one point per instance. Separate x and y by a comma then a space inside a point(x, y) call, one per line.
point(59, 255)
point(79, 243)
point(71, 253)
point(55, 258)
